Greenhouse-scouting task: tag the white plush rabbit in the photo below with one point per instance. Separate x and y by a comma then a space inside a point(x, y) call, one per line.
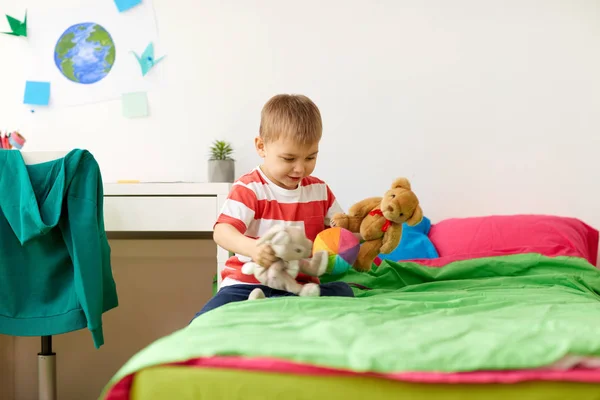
point(293, 249)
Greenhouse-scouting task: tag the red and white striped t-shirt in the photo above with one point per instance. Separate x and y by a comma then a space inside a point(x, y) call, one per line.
point(255, 204)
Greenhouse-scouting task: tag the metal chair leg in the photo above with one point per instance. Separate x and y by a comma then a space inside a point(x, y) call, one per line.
point(46, 371)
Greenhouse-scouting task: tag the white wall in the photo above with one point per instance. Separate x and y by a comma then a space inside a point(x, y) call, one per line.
point(488, 106)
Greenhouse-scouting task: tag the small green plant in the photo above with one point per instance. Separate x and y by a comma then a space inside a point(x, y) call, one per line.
point(221, 150)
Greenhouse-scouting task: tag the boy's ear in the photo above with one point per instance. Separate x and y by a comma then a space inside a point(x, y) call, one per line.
point(259, 143)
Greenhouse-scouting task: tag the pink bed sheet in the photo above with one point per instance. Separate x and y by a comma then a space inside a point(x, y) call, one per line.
point(577, 374)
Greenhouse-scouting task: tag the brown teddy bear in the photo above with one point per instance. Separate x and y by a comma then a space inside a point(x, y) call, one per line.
point(379, 221)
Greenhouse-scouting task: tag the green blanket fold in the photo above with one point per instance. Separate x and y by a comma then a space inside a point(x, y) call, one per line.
point(510, 312)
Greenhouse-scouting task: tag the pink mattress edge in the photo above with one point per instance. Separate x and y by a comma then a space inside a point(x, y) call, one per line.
point(120, 391)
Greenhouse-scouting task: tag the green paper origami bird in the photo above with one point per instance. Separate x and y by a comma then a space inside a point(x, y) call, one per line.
point(147, 60)
point(18, 28)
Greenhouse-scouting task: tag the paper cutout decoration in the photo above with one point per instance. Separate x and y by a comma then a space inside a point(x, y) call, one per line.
point(147, 60)
point(17, 27)
point(124, 5)
point(37, 93)
point(135, 104)
point(85, 53)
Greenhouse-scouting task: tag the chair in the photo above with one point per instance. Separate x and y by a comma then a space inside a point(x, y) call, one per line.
point(92, 274)
point(46, 357)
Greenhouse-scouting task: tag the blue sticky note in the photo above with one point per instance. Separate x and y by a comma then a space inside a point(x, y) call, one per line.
point(124, 5)
point(37, 93)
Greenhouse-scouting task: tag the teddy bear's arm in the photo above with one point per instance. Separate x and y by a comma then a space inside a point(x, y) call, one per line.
point(364, 207)
point(391, 238)
point(356, 214)
point(345, 221)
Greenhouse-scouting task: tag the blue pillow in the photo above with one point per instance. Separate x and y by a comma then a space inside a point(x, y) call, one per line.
point(414, 244)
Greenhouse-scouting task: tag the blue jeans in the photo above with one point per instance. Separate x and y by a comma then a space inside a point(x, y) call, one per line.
point(232, 293)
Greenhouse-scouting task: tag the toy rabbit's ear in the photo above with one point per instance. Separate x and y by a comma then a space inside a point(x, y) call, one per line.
point(416, 217)
point(401, 183)
point(270, 234)
point(281, 238)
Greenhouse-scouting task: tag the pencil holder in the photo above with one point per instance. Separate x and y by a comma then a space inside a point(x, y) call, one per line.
point(16, 140)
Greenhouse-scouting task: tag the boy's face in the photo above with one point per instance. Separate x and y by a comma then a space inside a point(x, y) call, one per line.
point(286, 162)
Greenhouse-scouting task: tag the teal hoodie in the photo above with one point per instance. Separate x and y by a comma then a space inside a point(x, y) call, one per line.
point(55, 270)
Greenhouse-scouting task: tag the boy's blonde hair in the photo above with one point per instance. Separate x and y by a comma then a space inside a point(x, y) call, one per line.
point(291, 116)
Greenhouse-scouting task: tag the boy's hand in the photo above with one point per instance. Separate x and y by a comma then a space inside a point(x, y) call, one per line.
point(264, 255)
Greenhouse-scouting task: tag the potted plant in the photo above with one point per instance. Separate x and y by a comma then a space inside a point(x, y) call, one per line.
point(221, 167)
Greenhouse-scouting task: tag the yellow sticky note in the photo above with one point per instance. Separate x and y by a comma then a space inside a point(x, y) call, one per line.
point(135, 104)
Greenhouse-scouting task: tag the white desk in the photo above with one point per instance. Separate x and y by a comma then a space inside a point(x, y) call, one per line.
point(165, 207)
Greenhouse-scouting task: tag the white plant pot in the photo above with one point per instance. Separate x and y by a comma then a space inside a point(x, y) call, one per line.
point(221, 171)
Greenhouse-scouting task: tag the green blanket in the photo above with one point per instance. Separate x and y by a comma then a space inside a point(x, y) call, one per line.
point(510, 312)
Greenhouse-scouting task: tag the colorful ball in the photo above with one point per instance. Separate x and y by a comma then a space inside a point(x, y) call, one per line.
point(342, 247)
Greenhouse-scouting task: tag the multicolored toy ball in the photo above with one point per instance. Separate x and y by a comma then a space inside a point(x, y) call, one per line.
point(342, 246)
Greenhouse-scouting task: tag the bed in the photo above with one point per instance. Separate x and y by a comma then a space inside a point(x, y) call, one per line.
point(510, 307)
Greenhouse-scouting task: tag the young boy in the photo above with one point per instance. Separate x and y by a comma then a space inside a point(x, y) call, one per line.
point(280, 191)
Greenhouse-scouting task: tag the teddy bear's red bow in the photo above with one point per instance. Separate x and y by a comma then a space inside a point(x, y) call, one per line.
point(387, 224)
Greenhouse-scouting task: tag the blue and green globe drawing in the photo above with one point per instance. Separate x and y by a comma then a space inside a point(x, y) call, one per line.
point(85, 53)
